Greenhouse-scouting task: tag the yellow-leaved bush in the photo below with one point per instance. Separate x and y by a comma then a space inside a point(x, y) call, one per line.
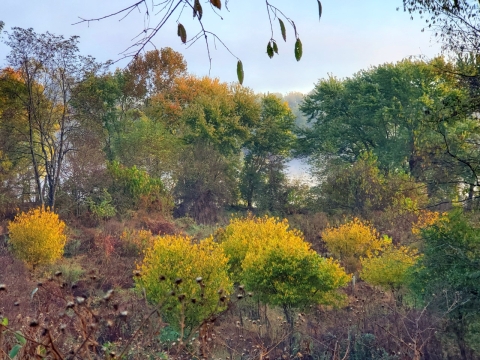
point(390, 268)
point(37, 236)
point(353, 240)
point(170, 274)
point(277, 264)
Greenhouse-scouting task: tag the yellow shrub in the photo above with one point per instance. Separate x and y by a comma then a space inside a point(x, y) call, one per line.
point(353, 240)
point(425, 219)
point(251, 235)
point(37, 236)
point(278, 265)
point(135, 242)
point(190, 301)
point(390, 269)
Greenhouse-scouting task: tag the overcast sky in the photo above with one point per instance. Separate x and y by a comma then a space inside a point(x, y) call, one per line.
point(352, 35)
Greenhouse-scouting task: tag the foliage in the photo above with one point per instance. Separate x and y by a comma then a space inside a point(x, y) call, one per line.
point(37, 236)
point(136, 242)
point(266, 149)
point(133, 188)
point(278, 265)
point(353, 240)
point(170, 275)
point(451, 252)
point(393, 111)
point(390, 269)
point(455, 22)
point(103, 208)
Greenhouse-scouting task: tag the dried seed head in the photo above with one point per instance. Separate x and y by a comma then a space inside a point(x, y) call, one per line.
point(109, 323)
point(80, 300)
point(112, 354)
point(199, 279)
point(108, 295)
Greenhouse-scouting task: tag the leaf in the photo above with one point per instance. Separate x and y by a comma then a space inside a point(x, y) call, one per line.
point(216, 3)
point(298, 49)
point(14, 351)
point(270, 50)
point(240, 72)
point(182, 33)
point(197, 9)
point(319, 10)
point(275, 47)
point(283, 30)
point(20, 338)
point(5, 321)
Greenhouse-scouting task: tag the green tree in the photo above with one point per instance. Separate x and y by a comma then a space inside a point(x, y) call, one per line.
point(446, 276)
point(266, 150)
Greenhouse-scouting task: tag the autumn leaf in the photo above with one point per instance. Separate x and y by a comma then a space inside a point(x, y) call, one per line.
point(216, 3)
point(182, 33)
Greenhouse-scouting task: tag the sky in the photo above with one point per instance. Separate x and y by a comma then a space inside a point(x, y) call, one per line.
point(352, 35)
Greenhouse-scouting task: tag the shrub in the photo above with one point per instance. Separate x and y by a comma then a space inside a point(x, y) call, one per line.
point(353, 240)
point(171, 272)
point(390, 269)
point(279, 266)
point(37, 236)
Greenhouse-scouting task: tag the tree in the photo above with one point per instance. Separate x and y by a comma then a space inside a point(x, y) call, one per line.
point(50, 67)
point(455, 22)
point(265, 153)
point(447, 274)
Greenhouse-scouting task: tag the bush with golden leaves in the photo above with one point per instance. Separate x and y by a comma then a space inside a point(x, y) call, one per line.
point(389, 269)
point(37, 236)
point(278, 265)
point(353, 240)
point(189, 280)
